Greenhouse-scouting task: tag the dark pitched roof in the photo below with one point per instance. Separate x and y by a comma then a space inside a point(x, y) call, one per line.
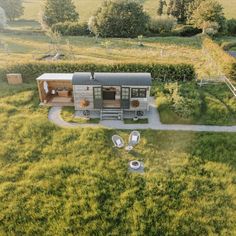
point(112, 79)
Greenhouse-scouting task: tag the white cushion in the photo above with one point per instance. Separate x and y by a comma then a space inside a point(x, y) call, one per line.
point(134, 138)
point(118, 142)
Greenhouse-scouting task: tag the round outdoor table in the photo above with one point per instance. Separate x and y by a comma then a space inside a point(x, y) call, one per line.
point(128, 148)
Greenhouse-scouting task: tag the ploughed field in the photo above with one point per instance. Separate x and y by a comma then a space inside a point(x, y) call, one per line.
point(57, 181)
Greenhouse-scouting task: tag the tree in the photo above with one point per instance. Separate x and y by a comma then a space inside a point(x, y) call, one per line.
point(12, 8)
point(179, 9)
point(162, 24)
point(208, 13)
point(191, 8)
point(119, 19)
point(231, 26)
point(3, 19)
point(59, 11)
point(160, 8)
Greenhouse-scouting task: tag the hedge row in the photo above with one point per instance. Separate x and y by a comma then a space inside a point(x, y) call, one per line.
point(223, 59)
point(71, 28)
point(163, 72)
point(228, 45)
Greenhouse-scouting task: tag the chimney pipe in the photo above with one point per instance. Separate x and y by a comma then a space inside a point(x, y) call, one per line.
point(92, 75)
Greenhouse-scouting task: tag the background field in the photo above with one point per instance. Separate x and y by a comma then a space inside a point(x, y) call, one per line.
point(30, 46)
point(87, 7)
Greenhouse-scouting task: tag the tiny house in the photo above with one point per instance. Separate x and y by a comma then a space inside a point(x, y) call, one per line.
point(104, 92)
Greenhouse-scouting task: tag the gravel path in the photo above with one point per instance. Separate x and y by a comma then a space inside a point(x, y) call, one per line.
point(154, 123)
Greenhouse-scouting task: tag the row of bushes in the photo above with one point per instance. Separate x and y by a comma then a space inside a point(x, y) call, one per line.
point(228, 45)
point(167, 26)
point(163, 72)
point(160, 27)
point(223, 59)
point(71, 28)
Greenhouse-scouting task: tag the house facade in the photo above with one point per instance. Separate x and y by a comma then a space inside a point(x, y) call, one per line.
point(104, 92)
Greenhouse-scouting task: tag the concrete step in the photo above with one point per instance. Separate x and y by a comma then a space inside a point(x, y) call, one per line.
point(109, 114)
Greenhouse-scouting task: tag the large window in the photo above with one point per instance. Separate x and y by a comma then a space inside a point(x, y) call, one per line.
point(97, 93)
point(138, 93)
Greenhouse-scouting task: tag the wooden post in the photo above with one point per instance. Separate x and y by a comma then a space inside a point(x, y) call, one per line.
point(39, 90)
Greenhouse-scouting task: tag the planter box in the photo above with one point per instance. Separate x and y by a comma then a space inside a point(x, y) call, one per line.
point(14, 79)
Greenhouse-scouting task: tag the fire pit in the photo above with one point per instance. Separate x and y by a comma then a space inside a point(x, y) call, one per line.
point(135, 165)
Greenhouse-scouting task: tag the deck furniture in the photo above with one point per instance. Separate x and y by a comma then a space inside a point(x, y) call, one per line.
point(134, 138)
point(118, 141)
point(63, 92)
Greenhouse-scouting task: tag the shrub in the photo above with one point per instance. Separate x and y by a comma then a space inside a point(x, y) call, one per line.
point(211, 28)
point(162, 24)
point(223, 59)
point(119, 19)
point(71, 28)
point(187, 31)
point(231, 26)
point(184, 100)
point(228, 45)
point(161, 72)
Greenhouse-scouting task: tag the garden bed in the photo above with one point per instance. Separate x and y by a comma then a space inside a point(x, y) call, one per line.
point(68, 114)
point(187, 103)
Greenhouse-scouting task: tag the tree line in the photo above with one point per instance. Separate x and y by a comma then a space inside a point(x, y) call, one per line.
point(125, 18)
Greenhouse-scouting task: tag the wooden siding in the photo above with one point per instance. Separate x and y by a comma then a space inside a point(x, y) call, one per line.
point(83, 92)
point(86, 92)
point(144, 102)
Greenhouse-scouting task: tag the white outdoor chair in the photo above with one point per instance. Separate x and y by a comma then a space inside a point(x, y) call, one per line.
point(134, 138)
point(118, 141)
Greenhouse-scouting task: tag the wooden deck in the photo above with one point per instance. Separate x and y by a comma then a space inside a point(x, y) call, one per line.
point(111, 104)
point(58, 101)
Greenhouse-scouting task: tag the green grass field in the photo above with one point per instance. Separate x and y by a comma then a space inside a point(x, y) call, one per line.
point(23, 46)
point(57, 181)
point(86, 8)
